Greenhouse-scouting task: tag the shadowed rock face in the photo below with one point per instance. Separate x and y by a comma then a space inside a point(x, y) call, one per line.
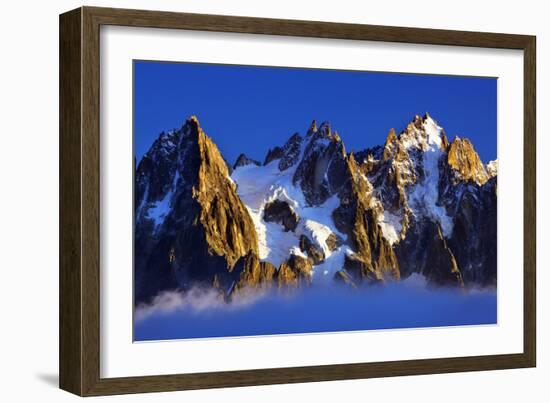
point(273, 154)
point(243, 160)
point(206, 228)
point(290, 152)
point(424, 250)
point(280, 212)
point(322, 170)
point(476, 213)
point(444, 269)
point(469, 194)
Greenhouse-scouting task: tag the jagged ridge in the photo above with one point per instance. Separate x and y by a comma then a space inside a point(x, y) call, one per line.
point(313, 212)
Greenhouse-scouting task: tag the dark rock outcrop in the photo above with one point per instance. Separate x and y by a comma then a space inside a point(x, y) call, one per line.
point(280, 212)
point(243, 160)
point(273, 154)
point(322, 170)
point(291, 152)
point(314, 252)
point(424, 250)
point(474, 236)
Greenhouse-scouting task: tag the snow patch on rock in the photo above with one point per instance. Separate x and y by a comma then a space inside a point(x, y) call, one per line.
point(391, 227)
point(492, 168)
point(324, 272)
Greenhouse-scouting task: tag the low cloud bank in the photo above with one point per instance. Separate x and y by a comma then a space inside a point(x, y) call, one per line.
point(194, 301)
point(408, 304)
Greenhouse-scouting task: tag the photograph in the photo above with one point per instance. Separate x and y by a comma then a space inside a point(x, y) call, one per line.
point(277, 201)
point(282, 200)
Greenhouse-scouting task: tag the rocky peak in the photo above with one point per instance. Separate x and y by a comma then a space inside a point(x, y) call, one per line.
point(191, 126)
point(273, 154)
point(424, 134)
point(155, 166)
point(394, 148)
point(325, 130)
point(465, 162)
point(228, 227)
point(204, 229)
point(418, 122)
point(291, 152)
point(165, 143)
point(243, 160)
point(390, 176)
point(312, 128)
point(321, 171)
point(390, 147)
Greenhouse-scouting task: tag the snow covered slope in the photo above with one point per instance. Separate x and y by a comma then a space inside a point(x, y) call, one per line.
point(257, 186)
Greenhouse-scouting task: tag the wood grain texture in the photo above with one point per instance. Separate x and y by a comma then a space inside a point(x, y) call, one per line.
point(70, 314)
point(530, 201)
point(80, 200)
point(90, 202)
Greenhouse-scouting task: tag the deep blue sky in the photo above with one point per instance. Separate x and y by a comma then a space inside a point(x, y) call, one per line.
point(251, 109)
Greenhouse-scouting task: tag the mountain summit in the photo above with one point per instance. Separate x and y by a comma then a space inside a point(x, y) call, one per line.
point(314, 212)
point(191, 227)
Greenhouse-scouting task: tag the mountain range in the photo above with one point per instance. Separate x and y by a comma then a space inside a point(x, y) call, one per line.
point(313, 213)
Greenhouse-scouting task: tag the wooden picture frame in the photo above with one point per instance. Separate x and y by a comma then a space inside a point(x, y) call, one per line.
point(79, 346)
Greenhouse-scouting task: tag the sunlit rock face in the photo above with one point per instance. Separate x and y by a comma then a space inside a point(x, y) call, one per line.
point(314, 213)
point(464, 163)
point(358, 216)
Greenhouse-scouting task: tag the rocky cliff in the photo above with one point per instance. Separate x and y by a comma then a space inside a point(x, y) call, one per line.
point(191, 226)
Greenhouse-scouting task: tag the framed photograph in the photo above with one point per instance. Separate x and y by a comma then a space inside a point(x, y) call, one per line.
point(249, 201)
